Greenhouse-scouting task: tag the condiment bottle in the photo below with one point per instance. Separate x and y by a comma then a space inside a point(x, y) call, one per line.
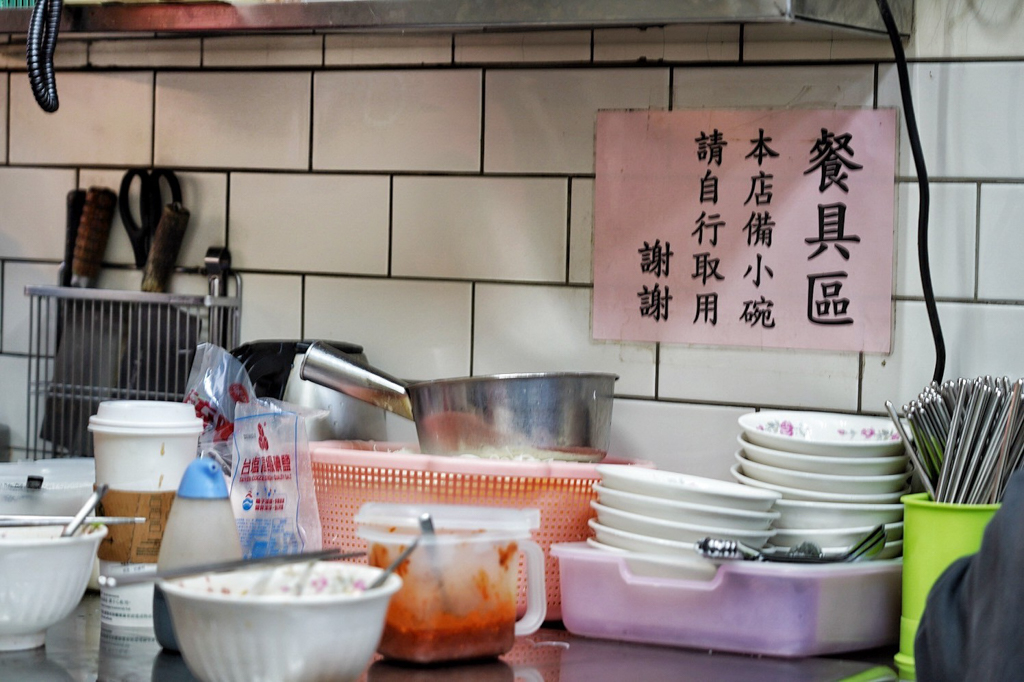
point(200, 529)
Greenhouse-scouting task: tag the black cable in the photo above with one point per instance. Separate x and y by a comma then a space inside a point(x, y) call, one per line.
point(922, 182)
point(41, 42)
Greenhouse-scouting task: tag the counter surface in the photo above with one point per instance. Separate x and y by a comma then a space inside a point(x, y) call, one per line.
point(80, 649)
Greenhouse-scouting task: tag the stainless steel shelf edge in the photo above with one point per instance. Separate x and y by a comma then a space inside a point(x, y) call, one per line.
point(459, 15)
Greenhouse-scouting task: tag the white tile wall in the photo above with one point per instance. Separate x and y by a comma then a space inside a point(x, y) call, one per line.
point(952, 223)
point(16, 304)
point(581, 231)
point(310, 223)
point(1001, 243)
point(950, 101)
point(14, 371)
point(783, 378)
point(397, 120)
point(256, 51)
point(104, 118)
point(683, 43)
point(980, 339)
point(543, 121)
point(179, 52)
point(429, 185)
point(409, 328)
point(805, 87)
point(544, 329)
point(271, 307)
point(4, 86)
point(784, 42)
point(966, 28)
point(514, 47)
point(68, 54)
point(32, 206)
point(481, 228)
point(232, 120)
point(387, 48)
point(694, 439)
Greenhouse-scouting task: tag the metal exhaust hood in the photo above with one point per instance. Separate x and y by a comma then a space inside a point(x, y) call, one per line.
point(859, 17)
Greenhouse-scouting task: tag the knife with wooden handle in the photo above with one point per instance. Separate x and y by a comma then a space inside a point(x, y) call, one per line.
point(163, 253)
point(93, 232)
point(76, 203)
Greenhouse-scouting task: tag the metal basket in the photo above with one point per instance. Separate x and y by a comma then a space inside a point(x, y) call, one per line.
point(91, 345)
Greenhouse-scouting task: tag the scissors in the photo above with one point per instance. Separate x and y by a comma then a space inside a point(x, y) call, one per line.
point(151, 206)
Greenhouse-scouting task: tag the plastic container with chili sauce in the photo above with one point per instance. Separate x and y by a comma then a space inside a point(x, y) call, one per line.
point(459, 593)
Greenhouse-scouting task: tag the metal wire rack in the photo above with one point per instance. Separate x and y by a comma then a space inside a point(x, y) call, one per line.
point(91, 345)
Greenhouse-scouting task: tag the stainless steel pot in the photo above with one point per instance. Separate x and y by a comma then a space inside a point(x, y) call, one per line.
point(560, 415)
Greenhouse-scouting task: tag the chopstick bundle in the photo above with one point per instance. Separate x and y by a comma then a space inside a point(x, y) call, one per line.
point(968, 437)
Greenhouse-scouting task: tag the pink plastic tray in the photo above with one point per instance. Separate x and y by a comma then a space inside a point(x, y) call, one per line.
point(748, 607)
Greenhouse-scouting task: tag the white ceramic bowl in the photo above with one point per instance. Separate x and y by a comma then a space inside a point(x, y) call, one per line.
point(812, 514)
point(42, 579)
point(684, 488)
point(824, 483)
point(684, 512)
point(846, 466)
point(801, 494)
point(822, 433)
point(66, 484)
point(832, 537)
point(671, 530)
point(891, 550)
point(228, 632)
point(640, 543)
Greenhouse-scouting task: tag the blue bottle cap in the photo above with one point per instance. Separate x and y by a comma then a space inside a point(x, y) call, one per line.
point(203, 480)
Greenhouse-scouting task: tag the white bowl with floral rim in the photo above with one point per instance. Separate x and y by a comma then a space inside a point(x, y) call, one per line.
point(822, 433)
point(314, 621)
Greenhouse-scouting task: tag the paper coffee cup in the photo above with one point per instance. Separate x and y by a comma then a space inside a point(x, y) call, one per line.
point(130, 606)
point(144, 445)
point(142, 448)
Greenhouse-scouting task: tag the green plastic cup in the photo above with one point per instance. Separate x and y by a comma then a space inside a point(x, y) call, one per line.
point(935, 534)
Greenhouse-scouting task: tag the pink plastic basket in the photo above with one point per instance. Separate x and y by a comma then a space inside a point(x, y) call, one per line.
point(349, 474)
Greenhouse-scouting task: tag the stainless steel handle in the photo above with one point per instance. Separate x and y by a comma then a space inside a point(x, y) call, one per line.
point(329, 367)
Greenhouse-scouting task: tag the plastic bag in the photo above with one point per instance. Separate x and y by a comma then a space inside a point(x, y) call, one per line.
point(263, 450)
point(272, 489)
point(217, 382)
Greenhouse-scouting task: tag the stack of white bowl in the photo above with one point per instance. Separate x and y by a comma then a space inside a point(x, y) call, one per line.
point(662, 512)
point(839, 476)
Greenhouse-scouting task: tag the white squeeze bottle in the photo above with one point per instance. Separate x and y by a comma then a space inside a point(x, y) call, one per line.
point(200, 529)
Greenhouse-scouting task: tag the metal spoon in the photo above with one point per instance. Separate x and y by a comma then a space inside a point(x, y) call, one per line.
point(86, 509)
point(807, 553)
point(394, 564)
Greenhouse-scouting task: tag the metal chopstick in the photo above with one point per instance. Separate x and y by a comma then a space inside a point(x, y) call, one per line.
point(17, 520)
point(223, 566)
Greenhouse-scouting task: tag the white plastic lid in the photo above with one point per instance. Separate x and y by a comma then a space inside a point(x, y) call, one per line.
point(145, 414)
point(449, 517)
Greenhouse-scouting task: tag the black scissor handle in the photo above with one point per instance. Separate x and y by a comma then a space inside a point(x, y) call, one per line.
point(151, 205)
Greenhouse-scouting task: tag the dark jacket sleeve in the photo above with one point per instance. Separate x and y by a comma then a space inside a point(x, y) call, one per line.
point(972, 627)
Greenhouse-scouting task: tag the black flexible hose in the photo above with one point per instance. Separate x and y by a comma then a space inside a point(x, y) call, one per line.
point(922, 182)
point(41, 42)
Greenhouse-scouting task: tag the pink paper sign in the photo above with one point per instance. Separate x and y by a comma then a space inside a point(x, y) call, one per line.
point(771, 229)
